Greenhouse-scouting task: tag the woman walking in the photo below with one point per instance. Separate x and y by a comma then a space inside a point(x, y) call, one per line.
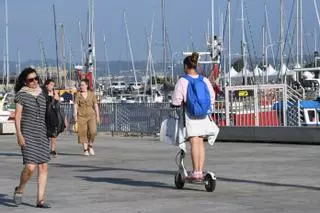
point(31, 133)
point(195, 131)
point(86, 114)
point(51, 96)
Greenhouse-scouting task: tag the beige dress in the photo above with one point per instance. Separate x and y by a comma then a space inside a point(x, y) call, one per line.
point(86, 116)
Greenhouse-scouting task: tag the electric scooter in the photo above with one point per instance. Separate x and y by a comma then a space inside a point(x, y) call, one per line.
point(183, 176)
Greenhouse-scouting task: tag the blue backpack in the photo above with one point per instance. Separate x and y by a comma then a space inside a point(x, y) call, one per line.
point(198, 97)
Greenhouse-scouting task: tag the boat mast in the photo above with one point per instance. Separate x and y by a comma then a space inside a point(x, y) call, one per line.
point(212, 22)
point(19, 61)
point(107, 65)
point(317, 11)
point(229, 38)
point(56, 40)
point(164, 38)
point(7, 44)
point(244, 51)
point(63, 54)
point(130, 48)
point(281, 33)
point(301, 32)
point(4, 62)
point(268, 32)
point(297, 32)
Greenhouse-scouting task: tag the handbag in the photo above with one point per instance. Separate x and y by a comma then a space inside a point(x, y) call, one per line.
point(75, 127)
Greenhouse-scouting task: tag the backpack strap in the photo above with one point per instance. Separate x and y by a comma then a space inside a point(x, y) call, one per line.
point(190, 79)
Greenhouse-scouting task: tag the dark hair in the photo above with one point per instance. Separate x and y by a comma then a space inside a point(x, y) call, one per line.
point(87, 82)
point(21, 80)
point(191, 61)
point(48, 81)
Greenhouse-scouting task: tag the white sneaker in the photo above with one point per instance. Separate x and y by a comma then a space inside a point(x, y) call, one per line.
point(86, 153)
point(91, 151)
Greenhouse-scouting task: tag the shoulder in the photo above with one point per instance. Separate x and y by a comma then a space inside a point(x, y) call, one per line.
point(182, 81)
point(205, 79)
point(20, 94)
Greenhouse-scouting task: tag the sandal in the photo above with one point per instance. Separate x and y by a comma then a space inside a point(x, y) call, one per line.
point(41, 204)
point(17, 196)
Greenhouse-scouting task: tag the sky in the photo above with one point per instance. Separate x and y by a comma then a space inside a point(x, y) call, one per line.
point(32, 20)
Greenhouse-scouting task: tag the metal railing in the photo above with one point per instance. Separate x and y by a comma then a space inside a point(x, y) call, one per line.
point(254, 105)
point(134, 118)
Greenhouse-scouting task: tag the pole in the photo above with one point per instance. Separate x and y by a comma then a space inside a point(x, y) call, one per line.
point(19, 61)
point(315, 39)
point(301, 33)
point(56, 40)
point(212, 19)
point(317, 11)
point(7, 45)
point(297, 32)
point(229, 37)
point(244, 45)
point(281, 33)
point(130, 48)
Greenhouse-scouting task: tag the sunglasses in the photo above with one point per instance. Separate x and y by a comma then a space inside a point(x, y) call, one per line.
point(30, 80)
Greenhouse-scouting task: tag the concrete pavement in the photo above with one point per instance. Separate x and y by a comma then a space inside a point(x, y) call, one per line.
point(136, 175)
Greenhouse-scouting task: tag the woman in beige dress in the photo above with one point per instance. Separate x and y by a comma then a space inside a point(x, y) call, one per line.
point(86, 114)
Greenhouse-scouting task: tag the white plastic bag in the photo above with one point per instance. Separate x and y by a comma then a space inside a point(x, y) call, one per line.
point(173, 131)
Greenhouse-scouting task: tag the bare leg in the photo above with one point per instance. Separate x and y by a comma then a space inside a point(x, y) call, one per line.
point(53, 144)
point(26, 174)
point(85, 146)
point(42, 180)
point(202, 154)
point(195, 153)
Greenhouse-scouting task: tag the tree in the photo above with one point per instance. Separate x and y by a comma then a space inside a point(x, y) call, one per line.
point(238, 65)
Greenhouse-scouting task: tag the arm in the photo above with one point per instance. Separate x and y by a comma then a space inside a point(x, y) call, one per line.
point(211, 91)
point(96, 107)
point(75, 107)
point(18, 115)
point(178, 94)
point(75, 111)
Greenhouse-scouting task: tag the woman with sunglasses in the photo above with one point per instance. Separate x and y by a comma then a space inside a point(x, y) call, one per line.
point(31, 133)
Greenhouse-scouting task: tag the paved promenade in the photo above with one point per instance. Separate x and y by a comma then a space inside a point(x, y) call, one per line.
point(136, 175)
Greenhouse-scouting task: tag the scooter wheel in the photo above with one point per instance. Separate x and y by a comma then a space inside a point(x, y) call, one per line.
point(210, 183)
point(179, 180)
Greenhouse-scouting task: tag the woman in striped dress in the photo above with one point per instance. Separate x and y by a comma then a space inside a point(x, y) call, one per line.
point(31, 133)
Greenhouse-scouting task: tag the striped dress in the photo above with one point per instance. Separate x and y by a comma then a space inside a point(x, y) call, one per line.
point(33, 128)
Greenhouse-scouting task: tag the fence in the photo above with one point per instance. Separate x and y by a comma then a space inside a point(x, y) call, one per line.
point(254, 105)
point(260, 106)
point(134, 118)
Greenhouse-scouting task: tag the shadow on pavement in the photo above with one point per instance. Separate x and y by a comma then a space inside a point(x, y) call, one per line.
point(5, 201)
point(87, 168)
point(130, 182)
point(314, 188)
point(69, 154)
point(126, 181)
point(9, 154)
